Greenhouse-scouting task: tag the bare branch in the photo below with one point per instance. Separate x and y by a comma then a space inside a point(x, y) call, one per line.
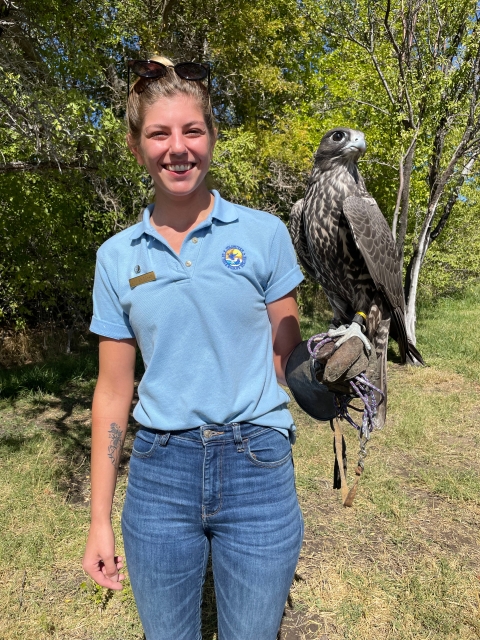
point(401, 184)
point(451, 201)
point(373, 106)
point(400, 64)
point(11, 167)
point(383, 80)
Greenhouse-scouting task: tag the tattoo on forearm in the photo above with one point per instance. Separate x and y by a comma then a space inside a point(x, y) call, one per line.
point(114, 448)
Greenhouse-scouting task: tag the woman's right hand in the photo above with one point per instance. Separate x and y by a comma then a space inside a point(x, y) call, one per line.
point(100, 561)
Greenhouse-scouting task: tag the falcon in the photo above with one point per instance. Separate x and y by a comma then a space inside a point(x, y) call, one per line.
point(344, 242)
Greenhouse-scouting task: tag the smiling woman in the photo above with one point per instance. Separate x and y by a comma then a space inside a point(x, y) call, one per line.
point(207, 290)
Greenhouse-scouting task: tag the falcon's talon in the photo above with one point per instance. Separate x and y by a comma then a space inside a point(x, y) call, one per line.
point(347, 332)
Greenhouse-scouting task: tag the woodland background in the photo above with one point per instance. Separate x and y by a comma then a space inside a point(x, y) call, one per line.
point(284, 72)
point(403, 563)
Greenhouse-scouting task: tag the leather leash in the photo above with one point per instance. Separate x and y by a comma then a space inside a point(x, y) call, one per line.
point(348, 495)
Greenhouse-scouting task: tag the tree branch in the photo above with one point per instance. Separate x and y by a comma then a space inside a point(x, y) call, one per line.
point(401, 184)
point(12, 167)
point(400, 64)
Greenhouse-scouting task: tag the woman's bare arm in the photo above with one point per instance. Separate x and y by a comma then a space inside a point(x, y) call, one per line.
point(111, 407)
point(283, 314)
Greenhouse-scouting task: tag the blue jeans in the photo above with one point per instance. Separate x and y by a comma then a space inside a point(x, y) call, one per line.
point(228, 489)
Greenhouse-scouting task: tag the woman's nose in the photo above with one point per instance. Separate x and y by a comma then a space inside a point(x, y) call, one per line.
point(177, 144)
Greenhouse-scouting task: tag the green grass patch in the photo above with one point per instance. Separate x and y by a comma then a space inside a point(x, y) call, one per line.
point(50, 377)
point(448, 333)
point(402, 564)
point(455, 484)
point(54, 375)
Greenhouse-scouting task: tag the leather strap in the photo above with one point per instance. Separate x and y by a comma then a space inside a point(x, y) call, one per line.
point(348, 495)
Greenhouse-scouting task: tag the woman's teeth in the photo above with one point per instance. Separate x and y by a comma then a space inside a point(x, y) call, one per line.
point(179, 167)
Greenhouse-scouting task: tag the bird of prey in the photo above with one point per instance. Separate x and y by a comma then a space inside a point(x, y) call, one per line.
point(344, 242)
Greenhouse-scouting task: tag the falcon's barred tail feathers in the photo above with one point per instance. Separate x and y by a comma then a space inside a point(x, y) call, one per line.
point(381, 347)
point(408, 351)
point(343, 241)
point(414, 355)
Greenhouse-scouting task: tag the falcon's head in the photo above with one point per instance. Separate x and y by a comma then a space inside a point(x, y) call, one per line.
point(341, 144)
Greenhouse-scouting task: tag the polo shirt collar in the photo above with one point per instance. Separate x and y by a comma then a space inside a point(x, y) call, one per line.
point(222, 210)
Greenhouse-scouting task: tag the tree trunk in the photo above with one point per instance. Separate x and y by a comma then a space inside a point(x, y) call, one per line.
point(401, 230)
point(413, 271)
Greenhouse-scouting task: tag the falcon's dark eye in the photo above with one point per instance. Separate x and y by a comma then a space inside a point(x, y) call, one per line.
point(337, 136)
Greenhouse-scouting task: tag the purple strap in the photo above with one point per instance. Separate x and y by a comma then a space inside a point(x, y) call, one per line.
point(362, 389)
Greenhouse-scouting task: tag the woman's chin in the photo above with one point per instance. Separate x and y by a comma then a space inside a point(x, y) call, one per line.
point(182, 188)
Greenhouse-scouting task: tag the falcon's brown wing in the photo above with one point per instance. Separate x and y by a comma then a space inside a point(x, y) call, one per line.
point(297, 233)
point(376, 244)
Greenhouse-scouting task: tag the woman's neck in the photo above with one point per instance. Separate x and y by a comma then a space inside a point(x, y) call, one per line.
point(180, 214)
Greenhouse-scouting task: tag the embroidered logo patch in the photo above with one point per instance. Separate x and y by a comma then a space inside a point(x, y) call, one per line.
point(234, 257)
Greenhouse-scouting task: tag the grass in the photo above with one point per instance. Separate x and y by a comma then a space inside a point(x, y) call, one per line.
point(401, 564)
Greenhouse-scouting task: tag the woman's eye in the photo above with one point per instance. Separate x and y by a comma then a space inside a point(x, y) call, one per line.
point(157, 134)
point(337, 136)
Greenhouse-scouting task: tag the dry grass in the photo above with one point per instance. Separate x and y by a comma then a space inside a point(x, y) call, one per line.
point(403, 563)
point(26, 346)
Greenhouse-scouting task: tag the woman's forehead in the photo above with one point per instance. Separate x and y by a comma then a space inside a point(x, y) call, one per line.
point(178, 106)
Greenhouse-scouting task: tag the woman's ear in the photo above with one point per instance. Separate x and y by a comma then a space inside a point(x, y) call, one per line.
point(134, 148)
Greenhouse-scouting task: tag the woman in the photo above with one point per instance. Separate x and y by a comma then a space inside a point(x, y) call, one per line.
point(207, 290)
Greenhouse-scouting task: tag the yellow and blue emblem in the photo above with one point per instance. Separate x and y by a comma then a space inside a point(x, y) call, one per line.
point(234, 257)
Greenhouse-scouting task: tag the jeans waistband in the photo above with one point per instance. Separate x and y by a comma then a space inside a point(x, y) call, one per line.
point(236, 431)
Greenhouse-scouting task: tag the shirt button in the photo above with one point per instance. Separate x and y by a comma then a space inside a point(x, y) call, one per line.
point(194, 240)
point(188, 263)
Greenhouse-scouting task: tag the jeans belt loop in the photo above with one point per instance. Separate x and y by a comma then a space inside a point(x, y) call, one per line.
point(164, 439)
point(237, 436)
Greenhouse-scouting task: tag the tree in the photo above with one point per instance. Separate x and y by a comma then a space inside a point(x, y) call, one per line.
point(283, 72)
point(64, 165)
point(425, 58)
point(66, 181)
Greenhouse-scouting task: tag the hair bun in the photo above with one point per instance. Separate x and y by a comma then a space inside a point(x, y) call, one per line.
point(166, 61)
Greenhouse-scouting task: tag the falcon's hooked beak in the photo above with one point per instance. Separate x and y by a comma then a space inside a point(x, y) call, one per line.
point(357, 142)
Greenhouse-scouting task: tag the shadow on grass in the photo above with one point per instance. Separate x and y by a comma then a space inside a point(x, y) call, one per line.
point(50, 377)
point(54, 376)
point(54, 397)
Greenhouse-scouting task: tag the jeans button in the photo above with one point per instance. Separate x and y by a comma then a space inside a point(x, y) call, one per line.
point(208, 433)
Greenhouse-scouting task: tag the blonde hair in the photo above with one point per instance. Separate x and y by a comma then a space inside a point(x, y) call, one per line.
point(146, 91)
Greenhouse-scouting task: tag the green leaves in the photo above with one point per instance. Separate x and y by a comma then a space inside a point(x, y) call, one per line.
point(283, 73)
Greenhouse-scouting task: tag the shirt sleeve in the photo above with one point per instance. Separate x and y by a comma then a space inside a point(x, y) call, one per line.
point(285, 274)
point(109, 318)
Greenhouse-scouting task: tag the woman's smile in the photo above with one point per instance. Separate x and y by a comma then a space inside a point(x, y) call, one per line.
point(179, 168)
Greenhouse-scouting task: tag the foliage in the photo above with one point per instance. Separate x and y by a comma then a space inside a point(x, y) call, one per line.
point(453, 261)
point(66, 179)
point(283, 73)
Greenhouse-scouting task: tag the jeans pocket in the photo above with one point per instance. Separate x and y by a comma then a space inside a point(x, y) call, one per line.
point(270, 449)
point(144, 444)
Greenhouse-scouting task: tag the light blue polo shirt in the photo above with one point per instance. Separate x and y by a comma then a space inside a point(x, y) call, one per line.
point(201, 321)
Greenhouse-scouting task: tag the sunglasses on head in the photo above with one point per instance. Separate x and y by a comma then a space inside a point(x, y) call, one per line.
point(154, 69)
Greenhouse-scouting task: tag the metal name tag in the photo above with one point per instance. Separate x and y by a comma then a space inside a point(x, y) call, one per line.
point(146, 277)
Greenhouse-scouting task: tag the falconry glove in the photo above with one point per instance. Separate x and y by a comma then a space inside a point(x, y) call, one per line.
point(343, 363)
